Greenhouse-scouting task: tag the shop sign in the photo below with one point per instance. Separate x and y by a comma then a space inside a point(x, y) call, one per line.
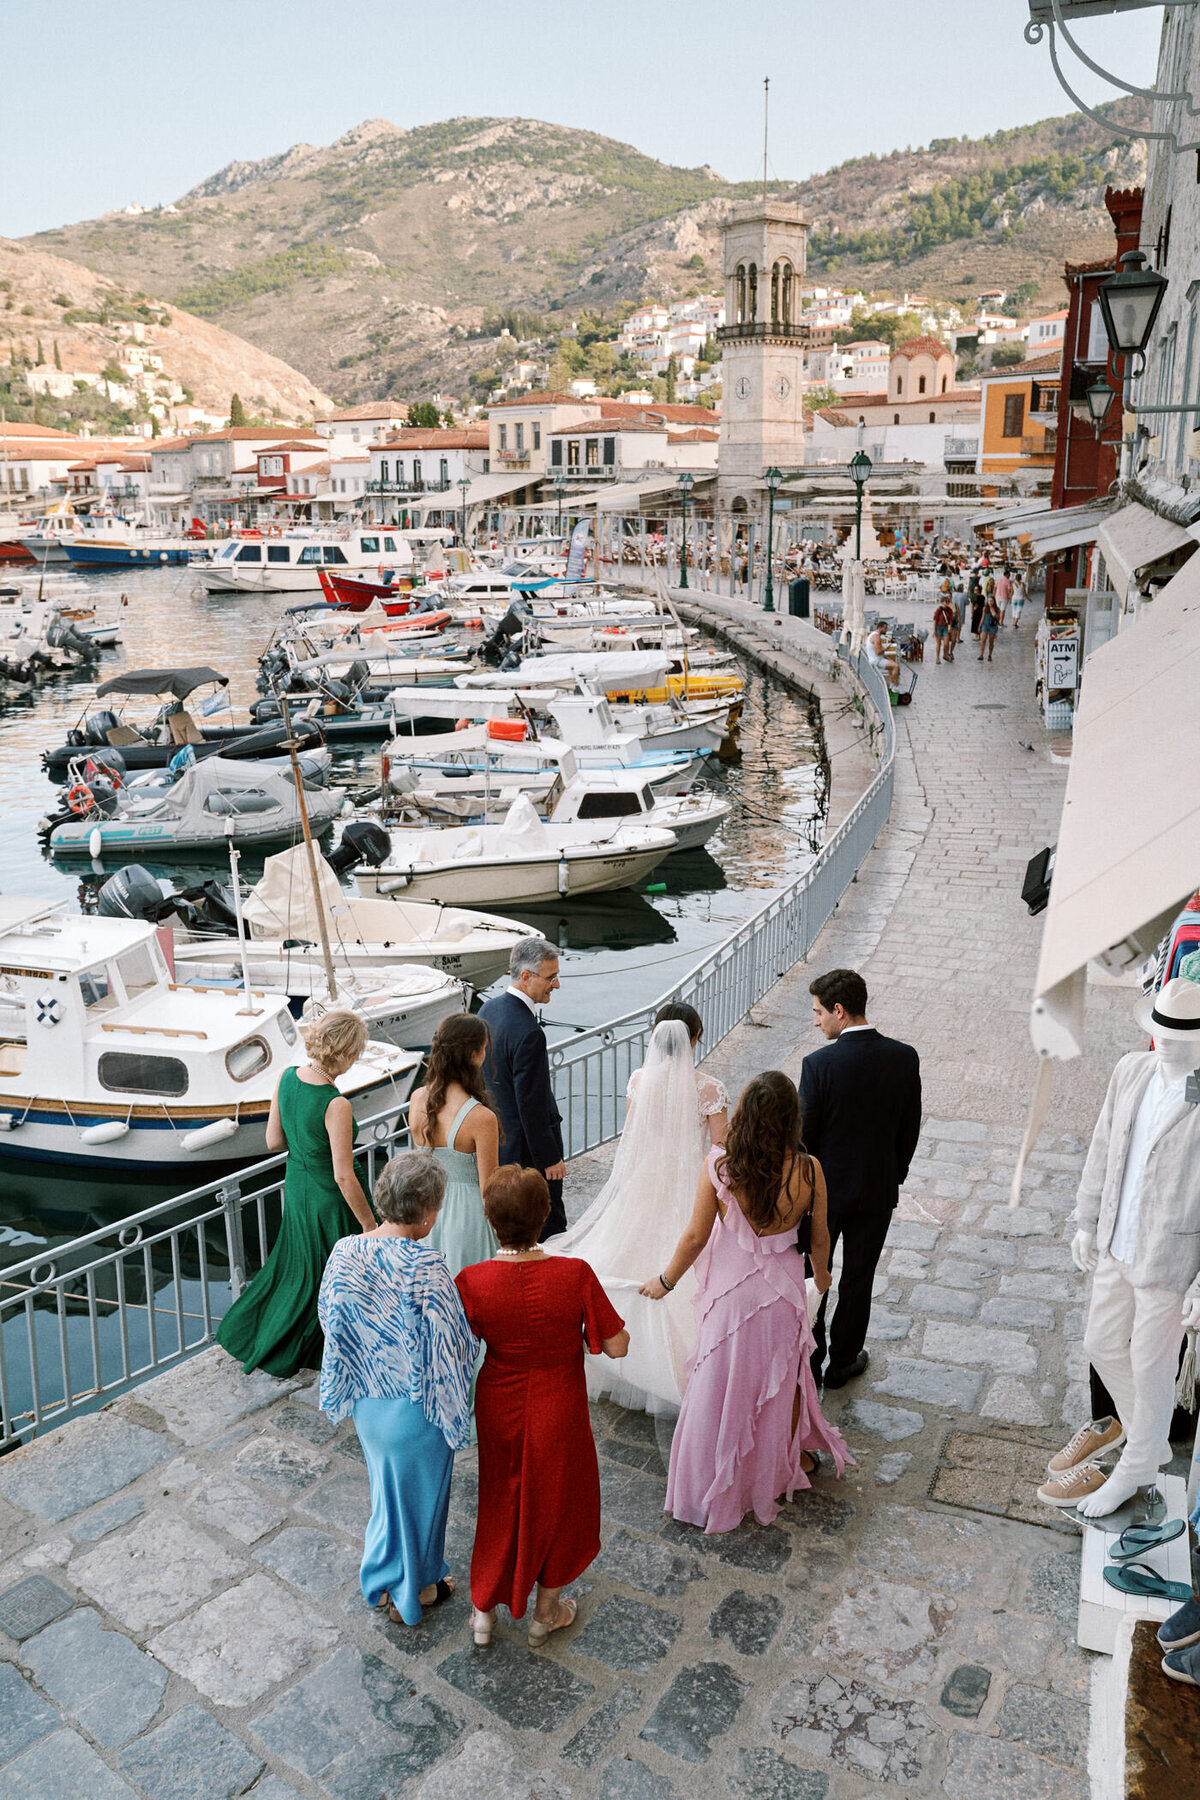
point(1062, 662)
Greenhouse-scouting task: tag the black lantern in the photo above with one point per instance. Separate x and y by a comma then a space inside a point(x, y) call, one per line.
point(684, 484)
point(1130, 302)
point(1099, 398)
point(860, 469)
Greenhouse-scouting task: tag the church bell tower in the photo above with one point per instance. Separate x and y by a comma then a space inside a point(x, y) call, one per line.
point(762, 340)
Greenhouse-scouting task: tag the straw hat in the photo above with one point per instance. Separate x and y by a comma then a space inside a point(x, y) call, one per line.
point(1172, 1014)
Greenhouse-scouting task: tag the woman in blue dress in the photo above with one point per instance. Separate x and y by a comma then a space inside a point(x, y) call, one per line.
point(399, 1355)
point(452, 1116)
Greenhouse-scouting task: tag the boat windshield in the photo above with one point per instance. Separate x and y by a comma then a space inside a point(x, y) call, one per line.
point(139, 970)
point(96, 990)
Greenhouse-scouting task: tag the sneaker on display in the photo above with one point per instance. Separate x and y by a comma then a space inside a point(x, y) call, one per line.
point(1090, 1441)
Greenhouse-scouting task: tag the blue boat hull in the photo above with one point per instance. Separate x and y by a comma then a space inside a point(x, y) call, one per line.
point(127, 556)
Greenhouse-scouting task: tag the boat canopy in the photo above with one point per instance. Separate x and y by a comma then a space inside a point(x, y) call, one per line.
point(179, 682)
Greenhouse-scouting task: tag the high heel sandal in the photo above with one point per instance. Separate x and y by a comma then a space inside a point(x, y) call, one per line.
point(539, 1630)
point(481, 1625)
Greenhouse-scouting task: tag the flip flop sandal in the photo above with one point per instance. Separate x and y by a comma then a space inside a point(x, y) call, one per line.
point(1136, 1540)
point(1147, 1583)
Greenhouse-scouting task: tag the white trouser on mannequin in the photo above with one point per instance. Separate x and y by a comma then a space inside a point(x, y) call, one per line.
point(1132, 1341)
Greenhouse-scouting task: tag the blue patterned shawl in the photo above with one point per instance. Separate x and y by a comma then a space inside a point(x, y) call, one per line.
point(395, 1329)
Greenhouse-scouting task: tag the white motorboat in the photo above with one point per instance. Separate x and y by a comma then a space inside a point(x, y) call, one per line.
point(205, 806)
point(475, 777)
point(585, 722)
point(521, 862)
point(369, 934)
point(596, 794)
point(106, 1062)
point(402, 1004)
point(291, 561)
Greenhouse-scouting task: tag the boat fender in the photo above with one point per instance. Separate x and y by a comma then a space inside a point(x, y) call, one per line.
point(108, 1133)
point(8, 1122)
point(204, 1135)
point(95, 843)
point(564, 877)
point(395, 883)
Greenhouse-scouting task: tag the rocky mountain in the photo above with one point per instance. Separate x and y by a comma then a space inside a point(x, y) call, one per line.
point(53, 308)
point(375, 263)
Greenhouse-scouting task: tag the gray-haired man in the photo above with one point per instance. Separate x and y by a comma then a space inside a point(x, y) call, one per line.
point(517, 1071)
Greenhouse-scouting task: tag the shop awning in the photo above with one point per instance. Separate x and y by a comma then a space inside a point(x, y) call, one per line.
point(1128, 852)
point(1134, 538)
point(1011, 521)
point(626, 496)
point(486, 488)
point(1064, 529)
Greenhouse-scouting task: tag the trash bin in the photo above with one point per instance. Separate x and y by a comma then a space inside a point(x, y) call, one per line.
point(798, 597)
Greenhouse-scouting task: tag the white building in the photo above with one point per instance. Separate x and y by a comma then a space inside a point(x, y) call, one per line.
point(417, 475)
point(361, 425)
point(1046, 334)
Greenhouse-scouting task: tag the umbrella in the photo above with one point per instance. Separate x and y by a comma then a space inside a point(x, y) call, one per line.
point(854, 600)
point(179, 682)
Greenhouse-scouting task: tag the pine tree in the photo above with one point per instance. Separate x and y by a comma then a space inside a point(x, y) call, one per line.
point(237, 412)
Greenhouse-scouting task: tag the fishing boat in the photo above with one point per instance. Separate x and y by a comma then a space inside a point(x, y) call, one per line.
point(366, 934)
point(106, 1062)
point(596, 794)
point(521, 862)
point(476, 777)
point(356, 591)
point(206, 805)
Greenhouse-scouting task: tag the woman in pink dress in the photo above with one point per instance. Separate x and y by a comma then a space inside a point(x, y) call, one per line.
point(750, 1425)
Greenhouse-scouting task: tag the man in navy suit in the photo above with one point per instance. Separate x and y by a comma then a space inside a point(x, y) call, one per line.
point(861, 1100)
point(517, 1071)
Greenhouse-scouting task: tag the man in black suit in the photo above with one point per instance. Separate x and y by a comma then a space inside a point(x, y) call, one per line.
point(517, 1071)
point(861, 1099)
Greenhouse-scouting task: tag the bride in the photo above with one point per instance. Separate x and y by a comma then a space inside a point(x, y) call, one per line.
point(674, 1116)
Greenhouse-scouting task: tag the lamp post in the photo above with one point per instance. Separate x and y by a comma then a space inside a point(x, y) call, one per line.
point(464, 482)
point(773, 477)
point(560, 484)
point(860, 469)
point(686, 483)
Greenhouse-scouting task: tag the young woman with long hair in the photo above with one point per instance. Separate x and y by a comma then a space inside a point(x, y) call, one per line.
point(451, 1115)
point(750, 1416)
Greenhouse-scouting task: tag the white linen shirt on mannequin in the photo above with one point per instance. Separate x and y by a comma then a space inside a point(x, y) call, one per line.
point(1157, 1103)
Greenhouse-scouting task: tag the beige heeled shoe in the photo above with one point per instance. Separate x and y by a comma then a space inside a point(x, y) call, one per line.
point(539, 1631)
point(482, 1624)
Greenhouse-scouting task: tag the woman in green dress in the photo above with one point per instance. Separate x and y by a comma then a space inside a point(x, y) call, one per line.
point(273, 1325)
point(450, 1115)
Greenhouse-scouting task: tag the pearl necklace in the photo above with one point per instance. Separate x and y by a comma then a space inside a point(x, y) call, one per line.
point(530, 1250)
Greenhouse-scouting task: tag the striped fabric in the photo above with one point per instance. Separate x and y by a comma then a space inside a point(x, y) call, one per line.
point(395, 1329)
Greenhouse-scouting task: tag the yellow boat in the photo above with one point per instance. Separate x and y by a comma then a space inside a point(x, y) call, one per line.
point(684, 687)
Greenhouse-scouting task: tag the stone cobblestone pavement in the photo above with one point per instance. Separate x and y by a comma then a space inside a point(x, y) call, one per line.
point(179, 1610)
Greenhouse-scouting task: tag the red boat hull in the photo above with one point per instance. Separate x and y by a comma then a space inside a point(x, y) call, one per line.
point(356, 593)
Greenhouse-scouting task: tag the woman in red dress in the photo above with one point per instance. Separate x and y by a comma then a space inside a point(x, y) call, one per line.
point(539, 1484)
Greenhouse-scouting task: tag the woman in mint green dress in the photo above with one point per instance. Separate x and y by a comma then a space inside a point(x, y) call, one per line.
point(450, 1115)
point(273, 1325)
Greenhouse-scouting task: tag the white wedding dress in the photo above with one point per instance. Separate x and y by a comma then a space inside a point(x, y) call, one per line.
point(629, 1232)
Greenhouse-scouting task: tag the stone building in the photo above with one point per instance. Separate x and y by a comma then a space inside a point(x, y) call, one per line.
point(763, 342)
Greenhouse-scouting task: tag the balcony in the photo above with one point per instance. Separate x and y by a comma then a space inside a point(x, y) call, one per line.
point(1044, 446)
point(590, 472)
point(961, 449)
point(409, 487)
point(758, 329)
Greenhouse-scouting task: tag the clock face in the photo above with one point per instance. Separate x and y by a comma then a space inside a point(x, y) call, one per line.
point(783, 387)
point(741, 387)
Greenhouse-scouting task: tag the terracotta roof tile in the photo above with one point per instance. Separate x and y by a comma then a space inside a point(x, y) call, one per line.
point(921, 346)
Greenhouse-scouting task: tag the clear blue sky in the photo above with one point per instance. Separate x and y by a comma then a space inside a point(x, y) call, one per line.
point(140, 99)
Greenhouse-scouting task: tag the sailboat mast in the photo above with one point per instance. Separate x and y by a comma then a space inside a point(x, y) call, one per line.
point(318, 899)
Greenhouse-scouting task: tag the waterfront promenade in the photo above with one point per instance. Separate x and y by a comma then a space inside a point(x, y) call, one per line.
point(179, 1614)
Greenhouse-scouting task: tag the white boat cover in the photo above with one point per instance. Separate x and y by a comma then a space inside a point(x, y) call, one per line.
point(1133, 538)
point(612, 668)
point(523, 833)
point(1129, 844)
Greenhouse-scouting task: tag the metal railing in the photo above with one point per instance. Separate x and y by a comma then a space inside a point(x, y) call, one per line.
point(84, 1321)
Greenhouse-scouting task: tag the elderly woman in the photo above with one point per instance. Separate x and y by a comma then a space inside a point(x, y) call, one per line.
point(539, 1484)
point(399, 1355)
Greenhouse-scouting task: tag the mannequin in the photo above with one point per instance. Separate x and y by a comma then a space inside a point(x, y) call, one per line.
point(1138, 1236)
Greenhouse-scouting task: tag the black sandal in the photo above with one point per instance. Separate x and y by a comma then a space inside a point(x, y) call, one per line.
point(444, 1592)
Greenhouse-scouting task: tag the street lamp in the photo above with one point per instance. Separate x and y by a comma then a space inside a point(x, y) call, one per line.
point(560, 485)
point(464, 482)
point(773, 477)
point(1099, 398)
point(860, 469)
point(686, 483)
point(1129, 303)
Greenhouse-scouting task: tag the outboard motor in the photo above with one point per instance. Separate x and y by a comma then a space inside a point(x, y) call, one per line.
point(107, 764)
point(362, 841)
point(498, 645)
point(95, 730)
point(132, 893)
point(266, 711)
point(357, 675)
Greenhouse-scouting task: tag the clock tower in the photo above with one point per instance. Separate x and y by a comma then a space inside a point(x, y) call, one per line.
point(762, 341)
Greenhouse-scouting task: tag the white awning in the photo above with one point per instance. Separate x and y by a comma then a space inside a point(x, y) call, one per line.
point(1133, 539)
point(486, 488)
point(1067, 527)
point(626, 496)
point(1012, 521)
point(1128, 853)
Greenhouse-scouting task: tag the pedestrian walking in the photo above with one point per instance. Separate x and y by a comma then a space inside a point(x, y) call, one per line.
point(1018, 600)
point(1003, 592)
point(860, 1095)
point(943, 625)
point(989, 625)
point(975, 600)
point(517, 1071)
point(450, 1116)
